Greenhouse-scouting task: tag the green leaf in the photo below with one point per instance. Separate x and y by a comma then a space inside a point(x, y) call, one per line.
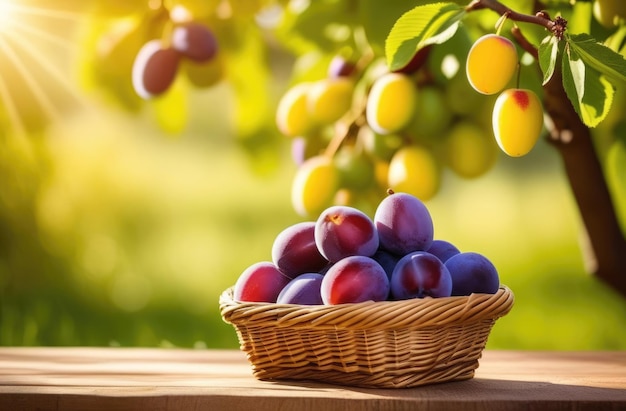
point(599, 56)
point(421, 26)
point(249, 77)
point(579, 21)
point(310, 66)
point(378, 17)
point(172, 109)
point(616, 40)
point(548, 51)
point(323, 25)
point(591, 93)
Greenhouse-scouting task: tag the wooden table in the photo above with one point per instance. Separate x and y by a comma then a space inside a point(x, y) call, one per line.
point(85, 379)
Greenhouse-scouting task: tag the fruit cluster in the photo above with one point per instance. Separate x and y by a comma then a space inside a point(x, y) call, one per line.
point(363, 129)
point(346, 257)
point(156, 65)
point(517, 115)
point(154, 54)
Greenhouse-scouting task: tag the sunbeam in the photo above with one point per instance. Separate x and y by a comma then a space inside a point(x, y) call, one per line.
point(52, 38)
point(10, 107)
point(6, 8)
point(11, 7)
point(36, 45)
point(40, 95)
point(46, 65)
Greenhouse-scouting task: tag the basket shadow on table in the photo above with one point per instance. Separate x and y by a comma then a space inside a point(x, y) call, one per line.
point(494, 391)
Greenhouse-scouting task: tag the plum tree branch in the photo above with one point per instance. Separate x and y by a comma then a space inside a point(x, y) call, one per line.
point(541, 18)
point(573, 140)
point(524, 43)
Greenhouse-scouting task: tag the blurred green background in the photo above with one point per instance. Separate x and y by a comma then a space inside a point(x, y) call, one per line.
point(115, 233)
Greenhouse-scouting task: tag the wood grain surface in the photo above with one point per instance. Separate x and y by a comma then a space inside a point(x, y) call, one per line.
point(85, 379)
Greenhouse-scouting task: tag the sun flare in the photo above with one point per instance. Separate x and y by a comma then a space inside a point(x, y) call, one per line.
point(6, 9)
point(35, 45)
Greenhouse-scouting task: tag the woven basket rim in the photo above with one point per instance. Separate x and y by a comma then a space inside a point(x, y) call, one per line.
point(412, 313)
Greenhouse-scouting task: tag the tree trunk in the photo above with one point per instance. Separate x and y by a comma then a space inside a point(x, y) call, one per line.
point(606, 252)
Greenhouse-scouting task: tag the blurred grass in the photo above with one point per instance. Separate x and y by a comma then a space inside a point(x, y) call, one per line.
point(137, 234)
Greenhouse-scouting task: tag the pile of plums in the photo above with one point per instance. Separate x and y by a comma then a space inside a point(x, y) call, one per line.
point(347, 257)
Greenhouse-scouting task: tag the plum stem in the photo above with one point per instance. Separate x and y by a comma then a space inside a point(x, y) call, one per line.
point(340, 136)
point(500, 22)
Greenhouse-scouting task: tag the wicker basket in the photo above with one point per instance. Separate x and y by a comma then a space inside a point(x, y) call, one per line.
point(391, 344)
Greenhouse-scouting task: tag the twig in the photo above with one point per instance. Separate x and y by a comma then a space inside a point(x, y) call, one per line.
point(524, 43)
point(556, 26)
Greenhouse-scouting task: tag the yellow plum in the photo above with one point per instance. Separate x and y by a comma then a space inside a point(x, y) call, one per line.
point(517, 121)
point(491, 63)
